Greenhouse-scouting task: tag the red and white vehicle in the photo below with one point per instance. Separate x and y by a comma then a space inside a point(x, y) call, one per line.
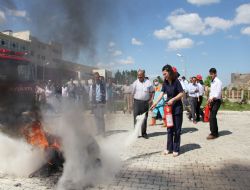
point(17, 86)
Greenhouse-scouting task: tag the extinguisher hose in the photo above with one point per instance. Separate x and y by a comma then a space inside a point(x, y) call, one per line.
point(154, 108)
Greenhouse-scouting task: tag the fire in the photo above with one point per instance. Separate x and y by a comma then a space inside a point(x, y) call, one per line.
point(36, 136)
point(50, 144)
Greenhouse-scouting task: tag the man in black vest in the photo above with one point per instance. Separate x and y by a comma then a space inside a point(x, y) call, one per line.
point(98, 99)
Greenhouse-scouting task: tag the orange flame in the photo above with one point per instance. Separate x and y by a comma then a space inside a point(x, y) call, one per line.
point(36, 136)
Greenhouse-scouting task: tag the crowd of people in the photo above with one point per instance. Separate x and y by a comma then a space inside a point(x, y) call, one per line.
point(142, 96)
point(175, 93)
point(96, 94)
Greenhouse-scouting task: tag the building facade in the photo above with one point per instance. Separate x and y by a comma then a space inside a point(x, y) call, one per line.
point(9, 41)
point(47, 58)
point(240, 81)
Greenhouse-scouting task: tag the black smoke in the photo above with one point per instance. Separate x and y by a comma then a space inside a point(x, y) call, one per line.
point(9, 4)
point(77, 24)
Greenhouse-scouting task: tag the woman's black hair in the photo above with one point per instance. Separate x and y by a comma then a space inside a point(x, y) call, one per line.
point(169, 69)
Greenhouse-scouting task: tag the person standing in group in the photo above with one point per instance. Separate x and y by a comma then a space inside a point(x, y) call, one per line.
point(172, 87)
point(199, 112)
point(50, 92)
point(65, 93)
point(97, 94)
point(79, 92)
point(142, 91)
point(127, 89)
point(159, 108)
point(193, 93)
point(110, 96)
point(86, 86)
point(215, 101)
point(72, 90)
point(184, 84)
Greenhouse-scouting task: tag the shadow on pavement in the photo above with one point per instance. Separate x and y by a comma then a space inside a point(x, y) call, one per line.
point(188, 130)
point(112, 132)
point(144, 155)
point(224, 133)
point(188, 147)
point(155, 134)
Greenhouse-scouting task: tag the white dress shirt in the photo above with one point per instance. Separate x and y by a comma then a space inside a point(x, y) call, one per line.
point(193, 90)
point(216, 88)
point(201, 89)
point(65, 91)
point(142, 90)
point(184, 86)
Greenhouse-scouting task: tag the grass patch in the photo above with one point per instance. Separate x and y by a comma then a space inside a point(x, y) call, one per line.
point(231, 106)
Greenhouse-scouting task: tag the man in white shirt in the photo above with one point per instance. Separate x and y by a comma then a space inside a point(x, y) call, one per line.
point(200, 98)
point(127, 89)
point(142, 90)
point(215, 102)
point(193, 93)
point(184, 84)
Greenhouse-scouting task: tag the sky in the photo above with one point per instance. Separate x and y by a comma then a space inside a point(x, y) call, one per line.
point(192, 35)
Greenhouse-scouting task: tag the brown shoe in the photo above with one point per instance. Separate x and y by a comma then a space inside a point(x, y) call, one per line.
point(210, 137)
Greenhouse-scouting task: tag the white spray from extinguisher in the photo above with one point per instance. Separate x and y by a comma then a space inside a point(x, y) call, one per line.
point(168, 112)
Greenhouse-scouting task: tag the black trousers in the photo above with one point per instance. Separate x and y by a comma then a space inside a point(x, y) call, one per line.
point(198, 109)
point(141, 107)
point(174, 134)
point(215, 105)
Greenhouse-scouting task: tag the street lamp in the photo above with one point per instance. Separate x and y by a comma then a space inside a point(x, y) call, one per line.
point(44, 64)
point(184, 64)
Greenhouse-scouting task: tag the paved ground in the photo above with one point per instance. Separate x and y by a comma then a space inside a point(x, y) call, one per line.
point(223, 163)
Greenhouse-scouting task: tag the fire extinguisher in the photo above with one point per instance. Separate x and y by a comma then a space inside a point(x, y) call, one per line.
point(168, 116)
point(207, 113)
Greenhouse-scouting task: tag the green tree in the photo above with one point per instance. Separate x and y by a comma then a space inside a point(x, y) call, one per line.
point(207, 81)
point(122, 76)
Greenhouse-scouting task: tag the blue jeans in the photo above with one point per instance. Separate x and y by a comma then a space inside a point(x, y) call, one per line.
point(174, 134)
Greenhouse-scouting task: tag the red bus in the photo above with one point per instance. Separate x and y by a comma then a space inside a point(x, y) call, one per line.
point(17, 86)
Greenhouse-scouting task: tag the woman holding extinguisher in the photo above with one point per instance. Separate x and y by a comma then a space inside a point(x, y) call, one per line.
point(173, 93)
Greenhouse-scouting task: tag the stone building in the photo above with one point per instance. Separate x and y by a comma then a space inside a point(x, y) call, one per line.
point(240, 81)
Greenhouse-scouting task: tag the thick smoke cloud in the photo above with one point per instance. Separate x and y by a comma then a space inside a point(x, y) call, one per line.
point(89, 159)
point(76, 24)
point(7, 4)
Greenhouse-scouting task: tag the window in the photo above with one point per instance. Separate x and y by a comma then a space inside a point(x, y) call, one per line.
point(3, 42)
point(17, 46)
point(13, 45)
point(24, 72)
point(15, 71)
point(23, 48)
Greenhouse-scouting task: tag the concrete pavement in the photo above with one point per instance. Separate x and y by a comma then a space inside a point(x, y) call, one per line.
point(223, 163)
